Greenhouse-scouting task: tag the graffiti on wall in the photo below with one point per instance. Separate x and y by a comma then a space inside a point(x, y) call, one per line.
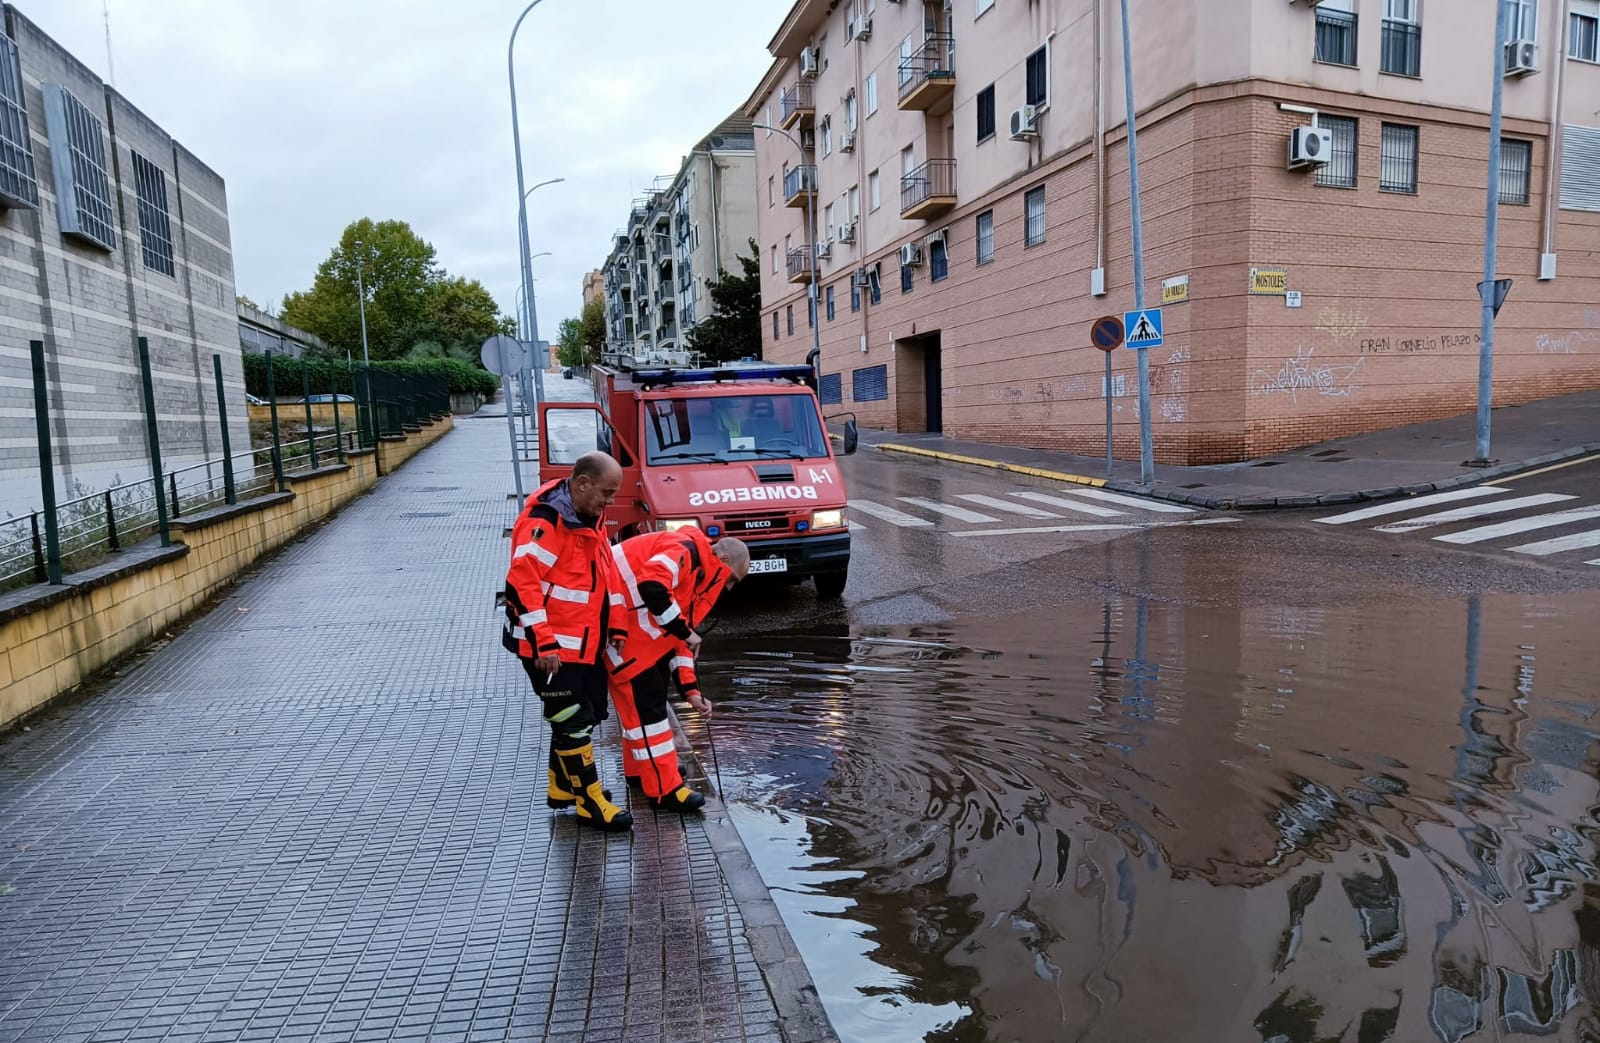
point(1567, 343)
point(1174, 389)
point(1304, 374)
point(1415, 343)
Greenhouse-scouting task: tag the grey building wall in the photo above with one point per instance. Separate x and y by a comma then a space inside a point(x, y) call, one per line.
point(90, 305)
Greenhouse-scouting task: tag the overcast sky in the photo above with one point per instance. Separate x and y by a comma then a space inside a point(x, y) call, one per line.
point(318, 112)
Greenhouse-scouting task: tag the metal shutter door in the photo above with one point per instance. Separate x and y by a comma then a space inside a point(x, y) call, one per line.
point(1580, 168)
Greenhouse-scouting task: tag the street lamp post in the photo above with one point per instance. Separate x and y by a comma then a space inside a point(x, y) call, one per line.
point(366, 361)
point(811, 223)
point(522, 189)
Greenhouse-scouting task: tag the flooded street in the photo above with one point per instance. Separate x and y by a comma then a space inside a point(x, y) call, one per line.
point(1127, 819)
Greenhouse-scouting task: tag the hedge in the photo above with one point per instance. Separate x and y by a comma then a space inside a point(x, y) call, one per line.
point(330, 377)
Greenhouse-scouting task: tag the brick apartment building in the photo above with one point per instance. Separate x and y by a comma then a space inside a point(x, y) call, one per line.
point(109, 230)
point(983, 144)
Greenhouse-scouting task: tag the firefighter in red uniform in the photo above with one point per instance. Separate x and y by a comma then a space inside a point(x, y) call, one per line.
point(564, 607)
point(671, 581)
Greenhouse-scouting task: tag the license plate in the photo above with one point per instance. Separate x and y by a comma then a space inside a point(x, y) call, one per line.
point(768, 565)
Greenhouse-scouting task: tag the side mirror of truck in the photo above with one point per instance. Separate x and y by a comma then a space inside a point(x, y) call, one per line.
point(852, 437)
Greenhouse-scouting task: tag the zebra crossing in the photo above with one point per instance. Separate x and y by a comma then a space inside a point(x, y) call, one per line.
point(1022, 511)
point(1482, 508)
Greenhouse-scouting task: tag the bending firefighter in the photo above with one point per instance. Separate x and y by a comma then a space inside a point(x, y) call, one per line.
point(672, 581)
point(563, 609)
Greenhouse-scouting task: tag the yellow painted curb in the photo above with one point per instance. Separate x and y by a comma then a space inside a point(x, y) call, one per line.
point(1037, 472)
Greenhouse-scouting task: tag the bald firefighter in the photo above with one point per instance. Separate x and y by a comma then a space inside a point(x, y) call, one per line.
point(564, 608)
point(671, 582)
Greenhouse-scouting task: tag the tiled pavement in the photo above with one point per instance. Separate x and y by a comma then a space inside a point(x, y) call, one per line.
point(318, 814)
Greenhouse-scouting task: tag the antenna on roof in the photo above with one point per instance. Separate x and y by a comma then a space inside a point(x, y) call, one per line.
point(111, 65)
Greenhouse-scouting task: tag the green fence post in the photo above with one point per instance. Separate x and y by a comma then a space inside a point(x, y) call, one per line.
point(305, 398)
point(230, 491)
point(47, 467)
point(154, 437)
point(277, 448)
point(338, 407)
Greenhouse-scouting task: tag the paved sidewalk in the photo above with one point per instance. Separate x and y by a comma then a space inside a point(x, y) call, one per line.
point(318, 813)
point(1401, 462)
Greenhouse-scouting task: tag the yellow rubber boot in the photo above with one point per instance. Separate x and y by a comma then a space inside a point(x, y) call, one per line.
point(593, 804)
point(558, 793)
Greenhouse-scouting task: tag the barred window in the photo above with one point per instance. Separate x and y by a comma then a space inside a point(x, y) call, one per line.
point(17, 185)
point(1516, 163)
point(1033, 205)
point(1340, 170)
point(1398, 159)
point(155, 227)
point(986, 237)
point(78, 158)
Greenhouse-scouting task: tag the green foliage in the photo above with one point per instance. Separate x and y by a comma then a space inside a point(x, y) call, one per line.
point(569, 343)
point(733, 329)
point(337, 377)
point(410, 299)
point(593, 323)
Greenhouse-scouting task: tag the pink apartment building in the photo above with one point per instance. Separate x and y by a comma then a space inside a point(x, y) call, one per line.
point(967, 163)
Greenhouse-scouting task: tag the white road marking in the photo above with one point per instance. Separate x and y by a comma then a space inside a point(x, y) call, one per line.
point(1577, 541)
point(1109, 527)
point(889, 514)
point(1128, 501)
point(1005, 505)
point(1095, 527)
point(958, 513)
point(1538, 521)
point(1594, 562)
point(1427, 521)
point(1071, 505)
point(1401, 506)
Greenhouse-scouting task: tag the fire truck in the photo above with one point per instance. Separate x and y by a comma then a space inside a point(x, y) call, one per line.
point(741, 450)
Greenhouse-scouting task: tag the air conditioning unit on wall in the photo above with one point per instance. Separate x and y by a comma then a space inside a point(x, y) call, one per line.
point(847, 141)
point(808, 63)
point(1522, 58)
point(1310, 147)
point(1025, 123)
point(910, 255)
point(847, 233)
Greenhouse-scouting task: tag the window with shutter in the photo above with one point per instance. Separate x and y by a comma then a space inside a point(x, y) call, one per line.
point(1580, 168)
point(870, 384)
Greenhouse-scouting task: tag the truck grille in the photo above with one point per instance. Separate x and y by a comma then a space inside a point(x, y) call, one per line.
point(757, 525)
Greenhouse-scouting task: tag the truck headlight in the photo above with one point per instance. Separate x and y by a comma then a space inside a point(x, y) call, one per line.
point(674, 524)
point(833, 519)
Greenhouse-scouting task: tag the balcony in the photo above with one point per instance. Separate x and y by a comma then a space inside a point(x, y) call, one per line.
point(800, 186)
point(1402, 48)
point(802, 264)
point(929, 190)
point(666, 333)
point(928, 77)
point(797, 106)
point(1336, 37)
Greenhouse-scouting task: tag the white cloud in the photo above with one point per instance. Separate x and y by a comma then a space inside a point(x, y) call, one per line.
point(318, 112)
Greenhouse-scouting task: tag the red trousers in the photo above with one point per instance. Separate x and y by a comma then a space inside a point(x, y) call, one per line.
point(648, 751)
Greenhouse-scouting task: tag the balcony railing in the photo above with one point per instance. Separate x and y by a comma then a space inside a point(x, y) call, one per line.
point(797, 105)
point(798, 184)
point(928, 190)
point(802, 264)
point(928, 76)
point(1402, 48)
point(1336, 37)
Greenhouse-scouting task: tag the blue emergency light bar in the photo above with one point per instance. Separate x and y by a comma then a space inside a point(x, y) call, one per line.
point(670, 377)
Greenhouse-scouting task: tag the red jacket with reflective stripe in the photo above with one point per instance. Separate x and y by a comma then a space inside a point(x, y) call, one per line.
point(671, 581)
point(563, 595)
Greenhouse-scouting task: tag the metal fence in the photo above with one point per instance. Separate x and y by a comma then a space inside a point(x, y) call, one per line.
point(72, 535)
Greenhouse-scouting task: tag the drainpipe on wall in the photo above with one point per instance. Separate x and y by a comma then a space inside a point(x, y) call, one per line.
point(1097, 278)
point(1552, 183)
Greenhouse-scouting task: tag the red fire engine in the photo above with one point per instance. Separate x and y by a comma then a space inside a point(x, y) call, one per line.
point(738, 451)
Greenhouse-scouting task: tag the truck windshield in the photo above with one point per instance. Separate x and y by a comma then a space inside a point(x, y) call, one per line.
point(729, 428)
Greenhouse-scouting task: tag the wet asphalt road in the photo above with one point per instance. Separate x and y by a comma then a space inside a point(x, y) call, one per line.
point(1280, 777)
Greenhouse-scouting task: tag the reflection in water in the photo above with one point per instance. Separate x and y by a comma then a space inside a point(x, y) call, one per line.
point(1137, 821)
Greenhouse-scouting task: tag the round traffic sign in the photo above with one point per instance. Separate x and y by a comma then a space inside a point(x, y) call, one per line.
point(1106, 333)
point(499, 353)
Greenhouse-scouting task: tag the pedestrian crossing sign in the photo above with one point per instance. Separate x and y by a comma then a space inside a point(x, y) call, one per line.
point(1144, 328)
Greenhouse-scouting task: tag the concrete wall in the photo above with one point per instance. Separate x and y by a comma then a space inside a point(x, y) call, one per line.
point(1388, 331)
point(54, 638)
point(89, 306)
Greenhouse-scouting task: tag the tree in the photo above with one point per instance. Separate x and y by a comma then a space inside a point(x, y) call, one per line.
point(410, 299)
point(569, 343)
point(592, 324)
point(733, 329)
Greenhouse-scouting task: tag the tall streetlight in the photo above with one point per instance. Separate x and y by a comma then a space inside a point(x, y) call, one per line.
point(366, 362)
point(522, 221)
point(522, 189)
point(361, 299)
point(811, 225)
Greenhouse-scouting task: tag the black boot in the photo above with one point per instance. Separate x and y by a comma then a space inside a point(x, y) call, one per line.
point(682, 800)
point(593, 805)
